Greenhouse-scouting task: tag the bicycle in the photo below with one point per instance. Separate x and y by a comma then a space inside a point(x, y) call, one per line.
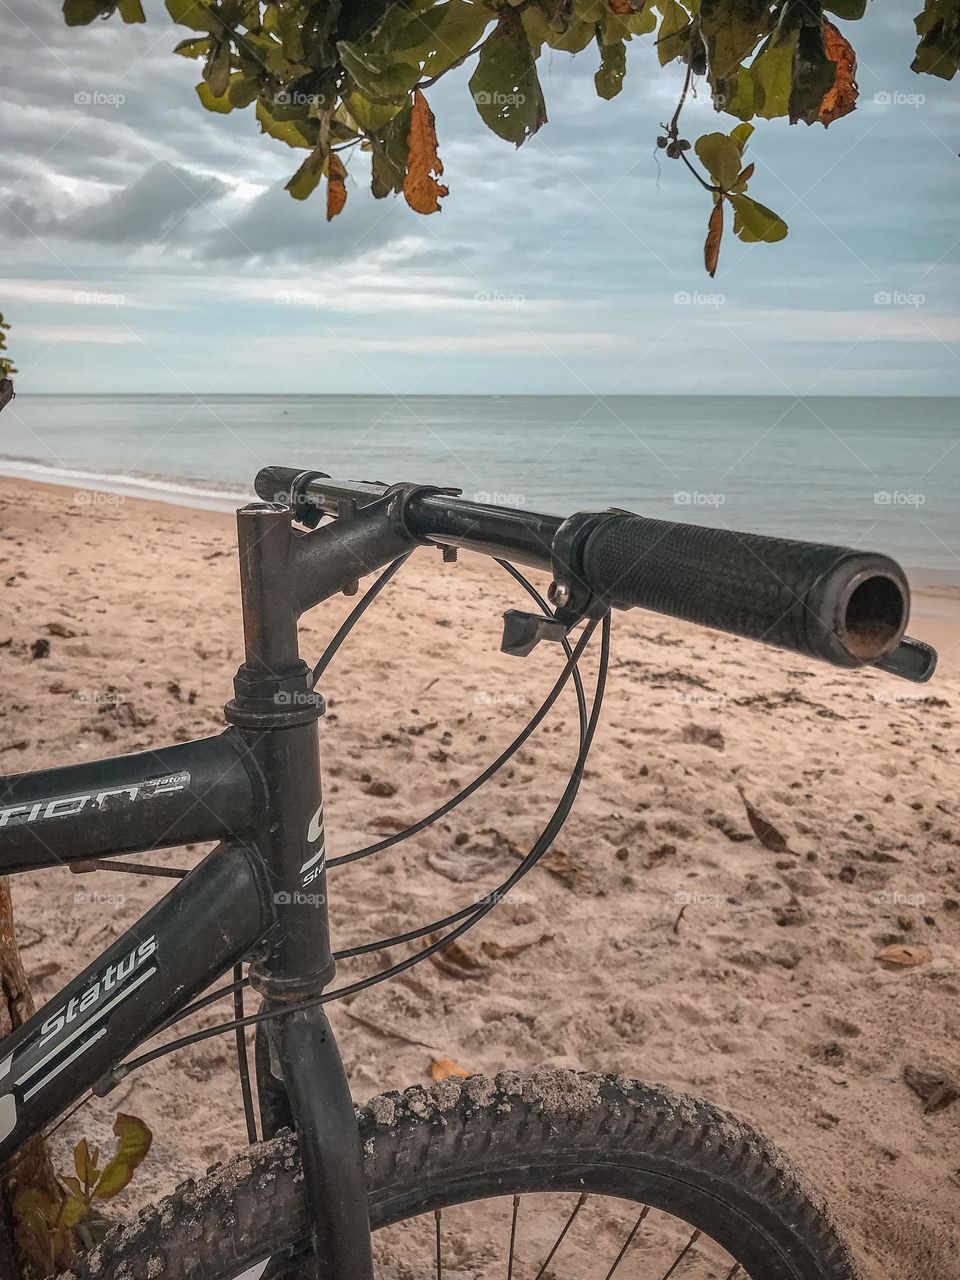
point(665, 1177)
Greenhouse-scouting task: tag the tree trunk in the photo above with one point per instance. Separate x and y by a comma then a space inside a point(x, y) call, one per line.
point(33, 1167)
point(6, 392)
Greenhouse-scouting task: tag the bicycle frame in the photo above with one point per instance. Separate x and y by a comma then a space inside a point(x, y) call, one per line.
point(259, 896)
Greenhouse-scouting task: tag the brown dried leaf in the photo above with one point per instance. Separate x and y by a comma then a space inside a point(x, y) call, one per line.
point(935, 1089)
point(711, 250)
point(841, 98)
point(497, 951)
point(420, 186)
point(904, 954)
point(336, 186)
point(457, 961)
point(765, 831)
point(443, 1068)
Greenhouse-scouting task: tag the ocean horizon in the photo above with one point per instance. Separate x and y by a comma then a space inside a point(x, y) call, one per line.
point(879, 472)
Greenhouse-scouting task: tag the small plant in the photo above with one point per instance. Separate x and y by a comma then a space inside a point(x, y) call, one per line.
point(6, 365)
point(50, 1228)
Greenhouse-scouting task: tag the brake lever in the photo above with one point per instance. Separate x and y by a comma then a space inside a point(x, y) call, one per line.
point(523, 631)
point(911, 660)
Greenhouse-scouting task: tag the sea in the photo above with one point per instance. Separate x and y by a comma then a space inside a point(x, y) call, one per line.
point(879, 473)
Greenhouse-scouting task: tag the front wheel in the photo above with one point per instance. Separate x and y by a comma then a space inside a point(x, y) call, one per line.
point(544, 1175)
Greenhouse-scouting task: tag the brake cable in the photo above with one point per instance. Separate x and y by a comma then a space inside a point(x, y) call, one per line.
point(540, 847)
point(508, 753)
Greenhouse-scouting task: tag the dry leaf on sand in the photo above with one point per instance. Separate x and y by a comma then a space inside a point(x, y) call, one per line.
point(443, 1068)
point(765, 831)
point(457, 961)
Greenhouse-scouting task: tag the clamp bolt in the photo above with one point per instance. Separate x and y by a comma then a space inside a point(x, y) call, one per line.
point(558, 593)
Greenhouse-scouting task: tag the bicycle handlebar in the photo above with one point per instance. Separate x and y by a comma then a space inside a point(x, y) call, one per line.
point(837, 604)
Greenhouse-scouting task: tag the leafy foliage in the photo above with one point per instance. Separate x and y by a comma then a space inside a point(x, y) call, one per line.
point(6, 364)
point(50, 1228)
point(328, 76)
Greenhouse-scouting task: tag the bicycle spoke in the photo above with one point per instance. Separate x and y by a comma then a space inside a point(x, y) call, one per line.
point(733, 1272)
point(627, 1243)
point(436, 1217)
point(682, 1254)
point(559, 1240)
point(513, 1236)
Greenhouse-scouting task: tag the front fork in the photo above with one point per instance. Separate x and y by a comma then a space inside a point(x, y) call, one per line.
point(300, 1075)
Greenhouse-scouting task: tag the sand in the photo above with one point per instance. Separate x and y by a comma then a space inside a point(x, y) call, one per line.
point(764, 993)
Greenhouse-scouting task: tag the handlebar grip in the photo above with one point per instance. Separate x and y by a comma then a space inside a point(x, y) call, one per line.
point(833, 603)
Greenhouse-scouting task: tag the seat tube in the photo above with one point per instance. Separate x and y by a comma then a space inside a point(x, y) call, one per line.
point(300, 1072)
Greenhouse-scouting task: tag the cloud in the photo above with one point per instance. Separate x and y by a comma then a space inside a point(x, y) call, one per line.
point(151, 209)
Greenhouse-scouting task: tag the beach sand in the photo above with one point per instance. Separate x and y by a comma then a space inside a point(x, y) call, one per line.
point(661, 940)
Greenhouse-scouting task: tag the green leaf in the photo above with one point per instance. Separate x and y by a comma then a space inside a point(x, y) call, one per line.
point(217, 70)
point(938, 53)
point(673, 38)
point(192, 13)
point(85, 1163)
point(613, 67)
point(72, 1212)
point(851, 10)
point(390, 156)
point(295, 133)
point(741, 136)
point(442, 35)
point(131, 11)
point(198, 47)
point(378, 79)
point(213, 102)
point(505, 87)
point(370, 116)
point(134, 1142)
point(305, 181)
point(731, 30)
point(720, 156)
point(80, 13)
point(623, 26)
point(754, 222)
point(242, 90)
point(772, 75)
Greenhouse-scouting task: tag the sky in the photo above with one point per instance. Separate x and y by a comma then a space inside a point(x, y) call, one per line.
point(149, 246)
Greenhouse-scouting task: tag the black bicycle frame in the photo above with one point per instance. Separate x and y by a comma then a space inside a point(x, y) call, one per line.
point(259, 896)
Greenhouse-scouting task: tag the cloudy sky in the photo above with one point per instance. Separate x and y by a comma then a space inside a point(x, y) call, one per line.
point(150, 247)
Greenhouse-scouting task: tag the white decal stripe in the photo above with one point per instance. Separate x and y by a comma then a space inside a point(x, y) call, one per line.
point(121, 995)
point(65, 1063)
